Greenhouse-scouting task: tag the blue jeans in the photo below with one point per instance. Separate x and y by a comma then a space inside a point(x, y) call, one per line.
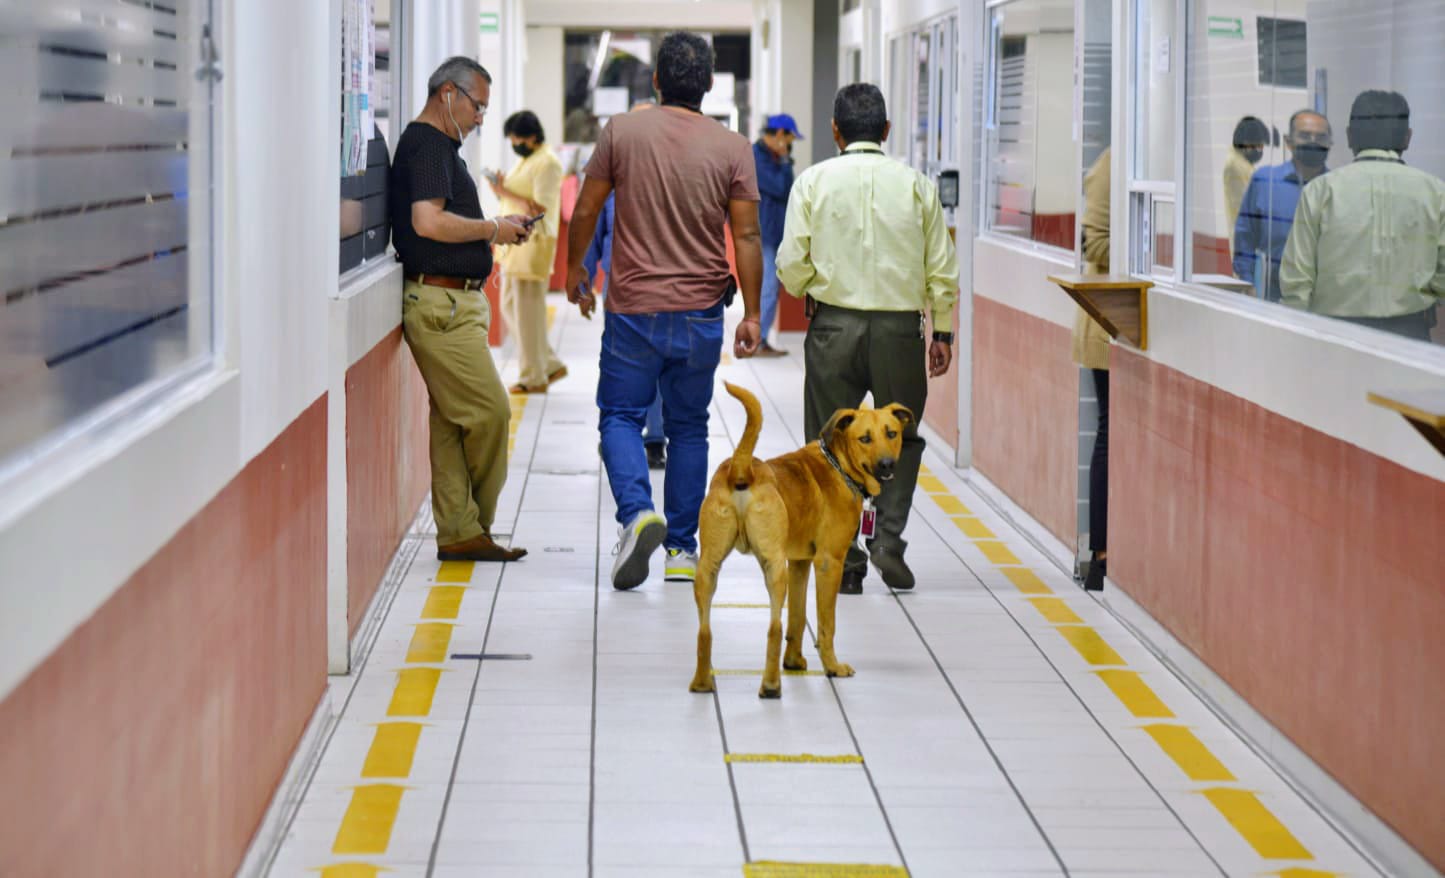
point(677, 355)
point(770, 288)
point(653, 433)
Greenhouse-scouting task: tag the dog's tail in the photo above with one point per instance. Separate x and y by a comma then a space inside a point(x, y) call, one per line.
point(742, 467)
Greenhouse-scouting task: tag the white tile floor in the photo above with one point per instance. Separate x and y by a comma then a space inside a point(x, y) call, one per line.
point(990, 743)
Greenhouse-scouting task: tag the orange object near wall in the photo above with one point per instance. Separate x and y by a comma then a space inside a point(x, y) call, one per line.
point(151, 741)
point(941, 412)
point(1303, 570)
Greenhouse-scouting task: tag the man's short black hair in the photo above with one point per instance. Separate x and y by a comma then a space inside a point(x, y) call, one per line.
point(1379, 120)
point(1251, 131)
point(1293, 117)
point(860, 113)
point(684, 67)
point(524, 123)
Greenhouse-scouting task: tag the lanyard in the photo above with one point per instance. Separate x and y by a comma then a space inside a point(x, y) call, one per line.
point(864, 152)
point(1379, 158)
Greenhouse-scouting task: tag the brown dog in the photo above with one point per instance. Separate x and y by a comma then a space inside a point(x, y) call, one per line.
point(793, 511)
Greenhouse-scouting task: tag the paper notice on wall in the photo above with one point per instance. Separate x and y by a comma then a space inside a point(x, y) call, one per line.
point(609, 101)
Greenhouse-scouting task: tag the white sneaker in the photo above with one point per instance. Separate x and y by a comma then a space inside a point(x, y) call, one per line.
point(637, 541)
point(681, 566)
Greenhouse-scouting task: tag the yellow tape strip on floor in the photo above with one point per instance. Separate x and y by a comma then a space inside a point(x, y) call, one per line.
point(997, 553)
point(931, 484)
point(774, 869)
point(443, 602)
point(456, 571)
point(1136, 695)
point(844, 759)
point(1094, 649)
point(742, 606)
point(749, 672)
point(414, 691)
point(1296, 872)
point(351, 870)
point(429, 643)
point(1026, 581)
point(973, 528)
point(366, 828)
point(1056, 611)
point(951, 504)
point(392, 750)
point(1189, 753)
point(1251, 819)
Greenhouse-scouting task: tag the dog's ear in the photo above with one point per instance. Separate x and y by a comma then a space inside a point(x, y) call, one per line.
point(841, 419)
point(903, 414)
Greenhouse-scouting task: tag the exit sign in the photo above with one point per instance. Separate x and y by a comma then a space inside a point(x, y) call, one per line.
point(1226, 26)
point(491, 22)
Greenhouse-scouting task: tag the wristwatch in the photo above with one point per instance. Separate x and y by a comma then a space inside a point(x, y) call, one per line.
point(945, 337)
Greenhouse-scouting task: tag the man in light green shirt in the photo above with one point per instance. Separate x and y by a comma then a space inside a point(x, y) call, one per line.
point(866, 242)
point(1368, 242)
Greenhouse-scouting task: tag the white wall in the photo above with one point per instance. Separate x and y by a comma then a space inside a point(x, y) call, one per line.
point(543, 91)
point(782, 80)
point(711, 15)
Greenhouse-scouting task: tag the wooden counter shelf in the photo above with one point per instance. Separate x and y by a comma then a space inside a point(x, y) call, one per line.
point(1118, 303)
point(1424, 409)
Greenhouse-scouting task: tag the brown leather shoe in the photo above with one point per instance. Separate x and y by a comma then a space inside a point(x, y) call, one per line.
point(479, 548)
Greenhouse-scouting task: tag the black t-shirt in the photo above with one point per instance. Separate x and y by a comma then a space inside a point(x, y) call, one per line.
point(428, 164)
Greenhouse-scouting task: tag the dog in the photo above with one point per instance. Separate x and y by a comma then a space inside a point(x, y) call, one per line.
point(792, 512)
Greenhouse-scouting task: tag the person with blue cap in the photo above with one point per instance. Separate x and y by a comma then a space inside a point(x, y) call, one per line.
point(773, 154)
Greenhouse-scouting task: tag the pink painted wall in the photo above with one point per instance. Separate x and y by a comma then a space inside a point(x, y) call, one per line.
point(151, 741)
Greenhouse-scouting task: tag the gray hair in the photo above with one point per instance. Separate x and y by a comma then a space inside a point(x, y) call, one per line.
point(453, 69)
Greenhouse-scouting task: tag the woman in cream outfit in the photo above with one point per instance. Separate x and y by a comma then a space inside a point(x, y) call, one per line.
point(534, 186)
point(1091, 350)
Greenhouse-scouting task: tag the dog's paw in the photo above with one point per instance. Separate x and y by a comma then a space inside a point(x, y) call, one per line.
point(796, 663)
point(770, 691)
point(840, 670)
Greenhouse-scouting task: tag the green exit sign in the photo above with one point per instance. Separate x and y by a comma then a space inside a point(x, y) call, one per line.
point(1225, 26)
point(491, 22)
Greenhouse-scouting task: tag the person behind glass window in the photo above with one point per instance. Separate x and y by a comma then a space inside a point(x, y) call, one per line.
point(1368, 243)
point(444, 245)
point(773, 155)
point(678, 177)
point(533, 188)
point(1091, 350)
point(1250, 137)
point(1267, 210)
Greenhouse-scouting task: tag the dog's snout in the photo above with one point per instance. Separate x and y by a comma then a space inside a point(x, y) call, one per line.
point(884, 467)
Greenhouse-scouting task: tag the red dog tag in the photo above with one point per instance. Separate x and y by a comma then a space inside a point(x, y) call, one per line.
point(870, 520)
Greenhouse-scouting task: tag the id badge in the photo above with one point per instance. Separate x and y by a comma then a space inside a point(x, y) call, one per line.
point(870, 520)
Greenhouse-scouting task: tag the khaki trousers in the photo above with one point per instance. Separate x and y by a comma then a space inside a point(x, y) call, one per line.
point(524, 307)
point(470, 412)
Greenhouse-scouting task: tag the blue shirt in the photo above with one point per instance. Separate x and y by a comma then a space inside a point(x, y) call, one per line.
point(1265, 217)
point(775, 181)
point(599, 252)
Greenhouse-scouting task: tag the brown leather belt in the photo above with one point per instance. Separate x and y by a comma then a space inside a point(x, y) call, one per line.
point(451, 283)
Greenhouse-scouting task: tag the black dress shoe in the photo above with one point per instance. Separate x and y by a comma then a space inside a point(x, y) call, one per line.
point(656, 455)
point(852, 581)
point(1094, 581)
point(890, 563)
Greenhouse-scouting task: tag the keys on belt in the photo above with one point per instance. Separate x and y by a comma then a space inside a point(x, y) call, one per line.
point(451, 283)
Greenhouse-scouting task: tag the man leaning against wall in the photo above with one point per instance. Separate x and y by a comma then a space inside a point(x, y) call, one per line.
point(444, 244)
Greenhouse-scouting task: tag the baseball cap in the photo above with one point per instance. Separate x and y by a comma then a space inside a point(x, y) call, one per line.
point(784, 122)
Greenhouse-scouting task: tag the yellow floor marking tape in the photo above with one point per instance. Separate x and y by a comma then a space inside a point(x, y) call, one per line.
point(1094, 649)
point(1135, 693)
point(845, 759)
point(456, 571)
point(351, 870)
point(973, 528)
point(996, 552)
point(1189, 753)
point(551, 316)
point(1056, 611)
point(950, 504)
point(931, 484)
point(1251, 819)
point(429, 643)
point(392, 750)
point(366, 828)
point(1296, 872)
point(1026, 581)
point(742, 606)
point(443, 602)
point(774, 869)
point(750, 672)
point(414, 691)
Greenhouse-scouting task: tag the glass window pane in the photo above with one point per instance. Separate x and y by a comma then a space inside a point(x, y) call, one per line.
point(1154, 67)
point(105, 194)
point(1030, 184)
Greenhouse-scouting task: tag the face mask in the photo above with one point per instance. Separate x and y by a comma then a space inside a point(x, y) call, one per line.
point(1311, 155)
point(1252, 155)
point(523, 149)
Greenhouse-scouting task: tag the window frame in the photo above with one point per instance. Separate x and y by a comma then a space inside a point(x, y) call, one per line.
point(1141, 193)
point(1259, 71)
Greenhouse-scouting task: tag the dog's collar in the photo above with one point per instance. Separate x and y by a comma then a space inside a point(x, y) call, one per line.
point(852, 485)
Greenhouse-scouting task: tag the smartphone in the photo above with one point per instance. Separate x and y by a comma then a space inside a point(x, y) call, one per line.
point(532, 220)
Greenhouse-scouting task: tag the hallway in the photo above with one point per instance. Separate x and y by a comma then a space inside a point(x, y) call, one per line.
point(1002, 722)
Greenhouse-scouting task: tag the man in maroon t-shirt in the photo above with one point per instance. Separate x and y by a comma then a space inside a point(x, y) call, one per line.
point(678, 177)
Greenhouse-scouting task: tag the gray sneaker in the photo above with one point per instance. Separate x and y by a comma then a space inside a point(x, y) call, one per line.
point(681, 566)
point(637, 540)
